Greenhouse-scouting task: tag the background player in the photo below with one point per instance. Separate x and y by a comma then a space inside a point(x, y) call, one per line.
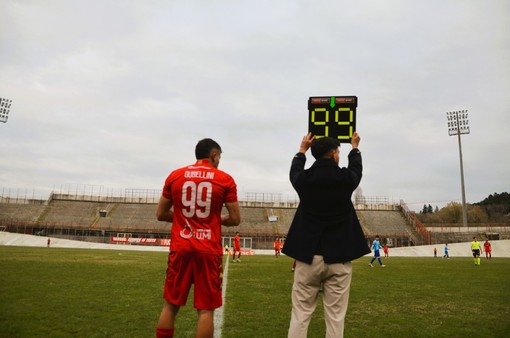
point(277, 247)
point(192, 200)
point(237, 248)
point(446, 251)
point(376, 246)
point(488, 249)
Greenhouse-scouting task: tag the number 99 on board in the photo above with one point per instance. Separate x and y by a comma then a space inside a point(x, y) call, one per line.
point(333, 116)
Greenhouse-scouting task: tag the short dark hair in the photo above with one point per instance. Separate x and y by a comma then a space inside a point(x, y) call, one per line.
point(204, 148)
point(321, 146)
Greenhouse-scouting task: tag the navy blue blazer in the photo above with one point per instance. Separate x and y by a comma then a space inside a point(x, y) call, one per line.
point(325, 222)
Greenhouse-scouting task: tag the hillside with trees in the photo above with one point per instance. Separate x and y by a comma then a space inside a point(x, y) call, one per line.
point(493, 209)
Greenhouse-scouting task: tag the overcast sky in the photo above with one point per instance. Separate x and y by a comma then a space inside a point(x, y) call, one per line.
point(116, 94)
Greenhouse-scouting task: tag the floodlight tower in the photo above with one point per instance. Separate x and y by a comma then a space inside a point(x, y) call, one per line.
point(5, 106)
point(457, 125)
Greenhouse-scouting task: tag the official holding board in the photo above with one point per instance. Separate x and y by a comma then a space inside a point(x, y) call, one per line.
point(325, 234)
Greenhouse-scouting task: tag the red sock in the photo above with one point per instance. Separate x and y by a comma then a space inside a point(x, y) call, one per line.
point(164, 333)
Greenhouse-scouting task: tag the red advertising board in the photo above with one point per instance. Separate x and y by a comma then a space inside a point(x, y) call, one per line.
point(132, 240)
point(164, 242)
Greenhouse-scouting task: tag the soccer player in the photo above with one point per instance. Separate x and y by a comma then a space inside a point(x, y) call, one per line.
point(376, 246)
point(488, 249)
point(192, 200)
point(237, 248)
point(446, 254)
point(386, 250)
point(476, 247)
point(325, 234)
point(277, 247)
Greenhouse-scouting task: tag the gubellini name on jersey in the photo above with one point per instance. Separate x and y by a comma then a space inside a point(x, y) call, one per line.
point(199, 174)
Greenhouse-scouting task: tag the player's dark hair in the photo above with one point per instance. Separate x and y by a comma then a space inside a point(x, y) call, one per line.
point(321, 146)
point(204, 148)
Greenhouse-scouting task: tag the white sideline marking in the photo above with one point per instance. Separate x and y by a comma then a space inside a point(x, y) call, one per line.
point(218, 314)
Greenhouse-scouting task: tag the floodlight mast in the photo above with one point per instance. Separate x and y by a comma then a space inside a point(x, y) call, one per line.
point(457, 125)
point(5, 106)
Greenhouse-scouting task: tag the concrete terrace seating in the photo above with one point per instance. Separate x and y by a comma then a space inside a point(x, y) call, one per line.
point(377, 222)
point(256, 220)
point(71, 213)
point(21, 212)
point(102, 215)
point(94, 218)
point(132, 216)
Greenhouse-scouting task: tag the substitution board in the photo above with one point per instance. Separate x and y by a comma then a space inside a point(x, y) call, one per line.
point(333, 116)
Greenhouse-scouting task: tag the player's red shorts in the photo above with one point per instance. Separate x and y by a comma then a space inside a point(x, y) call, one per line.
point(203, 270)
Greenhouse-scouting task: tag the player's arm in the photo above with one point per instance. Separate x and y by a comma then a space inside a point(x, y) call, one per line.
point(233, 217)
point(164, 211)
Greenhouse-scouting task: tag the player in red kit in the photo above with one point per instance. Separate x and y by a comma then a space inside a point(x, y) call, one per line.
point(277, 247)
point(237, 248)
point(192, 200)
point(488, 249)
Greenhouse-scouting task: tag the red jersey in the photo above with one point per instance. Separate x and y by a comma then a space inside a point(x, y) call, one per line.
point(277, 245)
point(198, 193)
point(237, 245)
point(487, 246)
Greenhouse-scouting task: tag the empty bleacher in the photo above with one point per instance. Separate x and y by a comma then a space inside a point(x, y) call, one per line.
point(383, 222)
point(257, 221)
point(89, 217)
point(25, 212)
point(132, 216)
point(390, 225)
point(75, 213)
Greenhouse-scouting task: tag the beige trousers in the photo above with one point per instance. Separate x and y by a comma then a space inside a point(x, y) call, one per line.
point(336, 280)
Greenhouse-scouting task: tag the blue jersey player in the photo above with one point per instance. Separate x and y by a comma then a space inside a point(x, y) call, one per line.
point(376, 246)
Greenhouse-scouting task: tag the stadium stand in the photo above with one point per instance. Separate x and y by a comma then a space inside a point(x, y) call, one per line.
point(22, 212)
point(131, 216)
point(100, 218)
point(390, 225)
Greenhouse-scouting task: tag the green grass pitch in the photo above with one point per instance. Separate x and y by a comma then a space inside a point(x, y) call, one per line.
point(108, 293)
